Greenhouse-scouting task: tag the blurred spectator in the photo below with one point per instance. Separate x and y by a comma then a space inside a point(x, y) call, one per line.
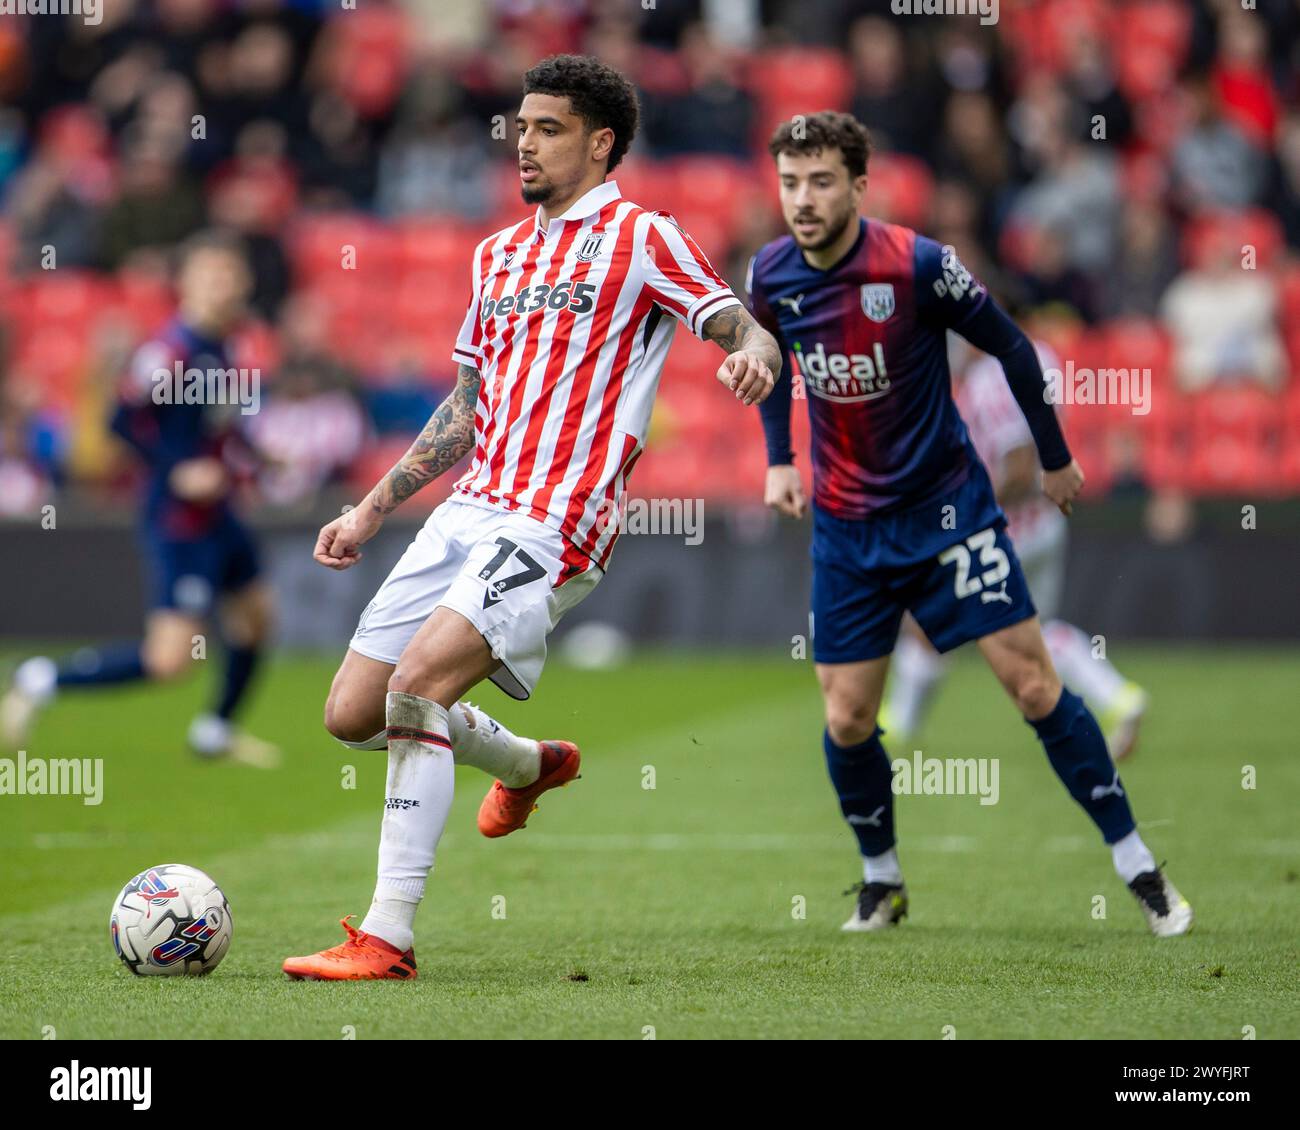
point(436, 159)
point(1146, 263)
point(1213, 165)
point(1050, 278)
point(712, 114)
point(973, 151)
point(1286, 178)
point(159, 204)
point(1075, 186)
point(306, 431)
point(1223, 321)
point(255, 194)
point(30, 449)
point(1242, 80)
point(400, 396)
point(58, 196)
point(1091, 79)
point(886, 99)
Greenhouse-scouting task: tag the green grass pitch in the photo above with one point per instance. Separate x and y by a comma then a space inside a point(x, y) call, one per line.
point(674, 911)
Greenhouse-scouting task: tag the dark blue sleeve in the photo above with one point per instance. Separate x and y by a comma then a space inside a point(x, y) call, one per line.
point(948, 295)
point(133, 424)
point(775, 410)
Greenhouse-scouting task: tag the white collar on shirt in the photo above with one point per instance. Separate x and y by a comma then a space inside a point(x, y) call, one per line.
point(588, 204)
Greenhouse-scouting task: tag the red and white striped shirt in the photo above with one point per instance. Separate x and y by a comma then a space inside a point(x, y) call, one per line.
point(997, 427)
point(566, 327)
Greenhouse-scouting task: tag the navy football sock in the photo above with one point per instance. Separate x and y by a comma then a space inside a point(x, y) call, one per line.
point(1077, 750)
point(863, 778)
point(240, 664)
point(101, 666)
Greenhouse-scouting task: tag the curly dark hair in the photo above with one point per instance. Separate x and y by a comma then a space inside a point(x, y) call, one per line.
point(826, 129)
point(599, 95)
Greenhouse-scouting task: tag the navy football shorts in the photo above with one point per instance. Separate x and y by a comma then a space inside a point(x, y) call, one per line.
point(189, 575)
point(948, 562)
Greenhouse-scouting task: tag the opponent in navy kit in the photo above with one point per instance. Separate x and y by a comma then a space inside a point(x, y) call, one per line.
point(904, 515)
point(200, 559)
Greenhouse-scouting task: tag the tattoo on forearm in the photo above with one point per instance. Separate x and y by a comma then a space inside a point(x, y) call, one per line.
point(447, 437)
point(734, 329)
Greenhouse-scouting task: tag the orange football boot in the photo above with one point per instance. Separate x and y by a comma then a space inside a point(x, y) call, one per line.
point(363, 957)
point(504, 810)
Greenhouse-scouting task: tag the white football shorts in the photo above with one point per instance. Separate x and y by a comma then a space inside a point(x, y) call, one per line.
point(509, 575)
point(1042, 550)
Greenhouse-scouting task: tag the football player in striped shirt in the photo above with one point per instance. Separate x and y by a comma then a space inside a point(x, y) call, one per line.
point(904, 514)
point(571, 315)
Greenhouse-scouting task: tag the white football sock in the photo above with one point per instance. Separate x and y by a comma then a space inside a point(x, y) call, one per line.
point(417, 797)
point(1132, 857)
point(918, 671)
point(480, 741)
point(1094, 678)
point(37, 678)
point(883, 868)
point(483, 742)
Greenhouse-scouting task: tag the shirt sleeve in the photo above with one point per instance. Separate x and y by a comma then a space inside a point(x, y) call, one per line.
point(134, 419)
point(775, 410)
point(949, 296)
point(680, 277)
point(469, 341)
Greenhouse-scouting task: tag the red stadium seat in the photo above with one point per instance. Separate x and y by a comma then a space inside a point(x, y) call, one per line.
point(366, 60)
point(1244, 412)
point(67, 296)
point(1254, 228)
point(146, 301)
point(1228, 464)
point(321, 245)
point(1150, 40)
point(711, 187)
point(1139, 343)
point(437, 246)
point(1290, 297)
point(900, 189)
point(798, 80)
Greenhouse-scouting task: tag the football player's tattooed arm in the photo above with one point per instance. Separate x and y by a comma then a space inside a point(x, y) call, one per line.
point(446, 438)
point(753, 359)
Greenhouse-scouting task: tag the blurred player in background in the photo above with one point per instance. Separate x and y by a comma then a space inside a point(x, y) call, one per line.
point(1040, 534)
point(201, 560)
point(904, 514)
point(570, 319)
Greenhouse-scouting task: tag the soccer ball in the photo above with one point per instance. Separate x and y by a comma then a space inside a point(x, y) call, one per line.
point(171, 920)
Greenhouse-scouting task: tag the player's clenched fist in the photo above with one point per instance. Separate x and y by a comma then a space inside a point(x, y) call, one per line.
point(339, 543)
point(783, 491)
point(1062, 486)
point(747, 376)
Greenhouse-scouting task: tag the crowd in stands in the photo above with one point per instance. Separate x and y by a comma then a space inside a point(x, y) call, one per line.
point(1125, 173)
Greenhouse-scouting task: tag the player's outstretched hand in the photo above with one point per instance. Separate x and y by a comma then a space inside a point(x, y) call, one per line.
point(747, 376)
point(338, 546)
point(784, 490)
point(1062, 486)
